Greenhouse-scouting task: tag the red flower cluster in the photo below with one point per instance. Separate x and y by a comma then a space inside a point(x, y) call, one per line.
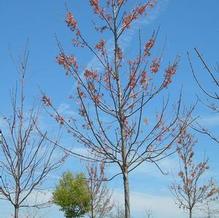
point(81, 94)
point(120, 2)
point(127, 20)
point(91, 87)
point(100, 46)
point(71, 22)
point(144, 79)
point(89, 74)
point(132, 81)
point(141, 9)
point(170, 71)
point(138, 11)
point(119, 53)
point(148, 46)
point(82, 111)
point(95, 5)
point(155, 65)
point(46, 101)
point(97, 98)
point(127, 128)
point(107, 77)
point(60, 119)
point(67, 61)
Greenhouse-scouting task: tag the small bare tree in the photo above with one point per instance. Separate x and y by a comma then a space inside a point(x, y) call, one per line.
point(149, 214)
point(118, 211)
point(26, 158)
point(189, 191)
point(210, 92)
point(101, 204)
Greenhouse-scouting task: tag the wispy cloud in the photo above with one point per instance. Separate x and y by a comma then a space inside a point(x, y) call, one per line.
point(66, 109)
point(167, 165)
point(3, 123)
point(161, 206)
point(210, 121)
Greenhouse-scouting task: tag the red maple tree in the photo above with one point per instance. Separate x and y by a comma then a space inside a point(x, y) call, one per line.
point(112, 101)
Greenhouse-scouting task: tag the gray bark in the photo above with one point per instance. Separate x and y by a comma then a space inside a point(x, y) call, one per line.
point(126, 194)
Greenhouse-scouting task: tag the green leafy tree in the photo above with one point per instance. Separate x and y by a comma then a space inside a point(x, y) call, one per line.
point(72, 195)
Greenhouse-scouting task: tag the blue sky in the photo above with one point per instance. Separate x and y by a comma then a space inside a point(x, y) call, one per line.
point(183, 25)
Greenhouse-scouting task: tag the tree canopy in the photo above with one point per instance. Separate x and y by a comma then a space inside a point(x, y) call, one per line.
point(72, 195)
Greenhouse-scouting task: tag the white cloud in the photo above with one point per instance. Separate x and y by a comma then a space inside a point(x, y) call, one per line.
point(66, 109)
point(167, 165)
point(39, 197)
point(210, 121)
point(81, 150)
point(161, 206)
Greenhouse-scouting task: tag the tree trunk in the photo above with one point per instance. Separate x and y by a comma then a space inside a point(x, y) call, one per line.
point(190, 213)
point(16, 211)
point(92, 211)
point(126, 194)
